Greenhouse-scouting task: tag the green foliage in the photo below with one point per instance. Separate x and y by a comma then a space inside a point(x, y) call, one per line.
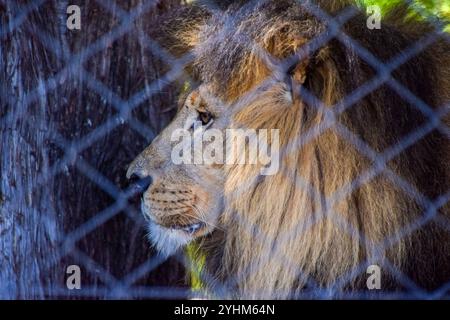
point(197, 261)
point(420, 9)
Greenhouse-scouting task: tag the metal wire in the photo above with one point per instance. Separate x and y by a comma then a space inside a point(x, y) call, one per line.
point(123, 288)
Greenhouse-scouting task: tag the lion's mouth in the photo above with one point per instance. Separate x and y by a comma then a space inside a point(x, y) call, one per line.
point(190, 228)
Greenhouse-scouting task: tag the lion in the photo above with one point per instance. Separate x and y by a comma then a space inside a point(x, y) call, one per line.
point(363, 179)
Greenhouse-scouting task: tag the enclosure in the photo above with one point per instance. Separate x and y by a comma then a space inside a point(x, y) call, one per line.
point(78, 105)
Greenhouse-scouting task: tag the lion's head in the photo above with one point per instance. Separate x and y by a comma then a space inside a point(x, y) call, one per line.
point(185, 199)
point(332, 207)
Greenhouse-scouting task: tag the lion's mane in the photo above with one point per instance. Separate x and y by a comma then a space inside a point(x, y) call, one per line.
point(335, 207)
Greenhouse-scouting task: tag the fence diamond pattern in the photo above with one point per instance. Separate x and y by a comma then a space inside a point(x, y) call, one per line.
point(123, 288)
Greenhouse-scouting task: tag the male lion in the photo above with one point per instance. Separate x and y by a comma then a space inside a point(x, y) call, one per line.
point(364, 171)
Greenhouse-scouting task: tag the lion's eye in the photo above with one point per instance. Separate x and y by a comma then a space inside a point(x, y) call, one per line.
point(205, 117)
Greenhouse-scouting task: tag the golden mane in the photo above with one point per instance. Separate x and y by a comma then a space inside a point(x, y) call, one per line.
point(344, 197)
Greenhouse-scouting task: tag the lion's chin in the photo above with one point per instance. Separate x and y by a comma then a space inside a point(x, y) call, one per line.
point(168, 240)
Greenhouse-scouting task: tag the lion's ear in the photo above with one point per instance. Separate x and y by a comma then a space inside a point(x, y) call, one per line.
point(291, 57)
point(296, 76)
point(323, 79)
point(317, 73)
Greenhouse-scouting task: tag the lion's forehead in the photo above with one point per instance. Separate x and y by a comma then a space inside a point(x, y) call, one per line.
point(196, 101)
point(236, 48)
point(193, 100)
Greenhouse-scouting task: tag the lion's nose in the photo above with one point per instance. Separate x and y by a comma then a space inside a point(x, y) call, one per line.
point(136, 168)
point(139, 184)
point(140, 180)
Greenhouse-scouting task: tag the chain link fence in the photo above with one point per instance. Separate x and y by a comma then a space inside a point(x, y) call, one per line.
point(64, 197)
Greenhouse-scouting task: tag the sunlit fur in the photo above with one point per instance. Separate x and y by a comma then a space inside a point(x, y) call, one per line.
point(278, 231)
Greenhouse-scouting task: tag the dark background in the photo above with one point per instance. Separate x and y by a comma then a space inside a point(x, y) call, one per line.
point(48, 192)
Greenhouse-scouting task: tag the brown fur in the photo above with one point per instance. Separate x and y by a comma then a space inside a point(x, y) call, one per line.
point(278, 231)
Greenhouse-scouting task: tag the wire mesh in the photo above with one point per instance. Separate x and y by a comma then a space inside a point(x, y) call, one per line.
point(72, 149)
